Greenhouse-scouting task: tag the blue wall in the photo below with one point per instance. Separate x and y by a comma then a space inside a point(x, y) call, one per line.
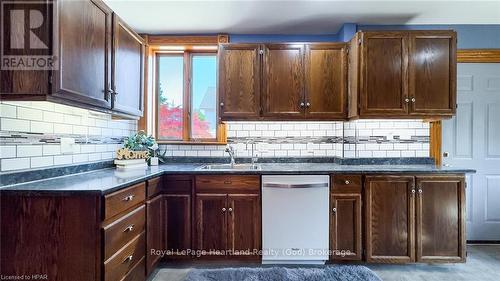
point(469, 36)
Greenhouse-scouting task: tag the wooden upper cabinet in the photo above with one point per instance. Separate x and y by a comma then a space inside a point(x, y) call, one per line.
point(283, 81)
point(383, 74)
point(239, 81)
point(326, 81)
point(432, 72)
point(402, 74)
point(440, 219)
point(84, 53)
point(389, 219)
point(128, 69)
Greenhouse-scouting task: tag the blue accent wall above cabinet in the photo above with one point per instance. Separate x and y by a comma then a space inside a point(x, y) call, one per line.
point(470, 36)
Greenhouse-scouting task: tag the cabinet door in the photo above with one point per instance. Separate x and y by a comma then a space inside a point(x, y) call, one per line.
point(440, 219)
point(239, 81)
point(177, 220)
point(345, 230)
point(389, 219)
point(84, 53)
point(211, 221)
point(283, 81)
point(244, 222)
point(154, 231)
point(432, 72)
point(128, 69)
point(326, 79)
point(384, 87)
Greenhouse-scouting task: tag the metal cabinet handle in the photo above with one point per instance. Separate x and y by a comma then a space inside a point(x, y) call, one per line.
point(230, 209)
point(412, 99)
point(227, 182)
point(129, 198)
point(261, 52)
point(407, 100)
point(420, 191)
point(221, 104)
point(334, 210)
point(223, 209)
point(302, 104)
point(412, 192)
point(129, 228)
point(347, 182)
point(308, 104)
point(128, 259)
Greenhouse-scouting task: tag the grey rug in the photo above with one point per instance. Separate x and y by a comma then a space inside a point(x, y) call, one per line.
point(324, 273)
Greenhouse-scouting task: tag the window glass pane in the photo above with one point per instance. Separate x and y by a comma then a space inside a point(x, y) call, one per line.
point(170, 97)
point(204, 97)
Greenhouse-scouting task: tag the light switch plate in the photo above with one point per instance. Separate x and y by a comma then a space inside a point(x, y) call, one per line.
point(67, 145)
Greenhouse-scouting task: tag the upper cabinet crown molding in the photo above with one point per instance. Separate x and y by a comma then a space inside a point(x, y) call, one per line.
point(402, 74)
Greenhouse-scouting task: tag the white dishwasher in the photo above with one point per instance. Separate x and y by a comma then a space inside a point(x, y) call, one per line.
point(295, 219)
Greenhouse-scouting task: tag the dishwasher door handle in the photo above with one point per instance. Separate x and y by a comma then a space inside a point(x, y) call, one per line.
point(291, 185)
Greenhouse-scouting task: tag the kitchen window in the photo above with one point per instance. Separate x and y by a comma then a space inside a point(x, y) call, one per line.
point(186, 91)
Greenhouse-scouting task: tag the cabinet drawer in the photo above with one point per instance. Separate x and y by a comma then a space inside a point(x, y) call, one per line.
point(124, 261)
point(346, 183)
point(228, 183)
point(136, 273)
point(122, 200)
point(123, 230)
point(153, 187)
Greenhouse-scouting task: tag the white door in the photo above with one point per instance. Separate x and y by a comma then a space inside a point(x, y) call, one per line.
point(471, 139)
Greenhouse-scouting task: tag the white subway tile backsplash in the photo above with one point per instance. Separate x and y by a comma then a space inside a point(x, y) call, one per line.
point(29, 150)
point(7, 110)
point(8, 124)
point(29, 114)
point(15, 164)
point(8, 151)
point(41, 127)
point(51, 149)
point(44, 161)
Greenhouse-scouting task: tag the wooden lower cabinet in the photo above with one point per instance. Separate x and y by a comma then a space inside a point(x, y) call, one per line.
point(440, 219)
point(345, 226)
point(415, 219)
point(244, 222)
point(154, 232)
point(177, 213)
point(390, 219)
point(211, 222)
point(228, 215)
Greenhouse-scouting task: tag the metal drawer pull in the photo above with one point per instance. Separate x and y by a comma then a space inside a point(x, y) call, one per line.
point(334, 210)
point(129, 228)
point(308, 104)
point(347, 182)
point(419, 191)
point(412, 99)
point(129, 198)
point(128, 259)
point(223, 209)
point(228, 182)
point(284, 185)
point(407, 100)
point(230, 209)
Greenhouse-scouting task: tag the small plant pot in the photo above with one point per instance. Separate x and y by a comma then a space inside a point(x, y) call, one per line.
point(154, 161)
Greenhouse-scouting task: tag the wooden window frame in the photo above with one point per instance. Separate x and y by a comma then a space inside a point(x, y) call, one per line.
point(187, 55)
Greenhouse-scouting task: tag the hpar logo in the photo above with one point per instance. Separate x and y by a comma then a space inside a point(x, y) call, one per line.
point(28, 35)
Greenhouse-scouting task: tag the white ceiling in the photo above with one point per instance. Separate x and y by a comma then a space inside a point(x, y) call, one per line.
point(294, 17)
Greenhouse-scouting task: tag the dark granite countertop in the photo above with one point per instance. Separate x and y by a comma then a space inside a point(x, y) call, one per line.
point(108, 180)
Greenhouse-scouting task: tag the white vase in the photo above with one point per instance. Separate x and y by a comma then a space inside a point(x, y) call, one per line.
point(154, 161)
